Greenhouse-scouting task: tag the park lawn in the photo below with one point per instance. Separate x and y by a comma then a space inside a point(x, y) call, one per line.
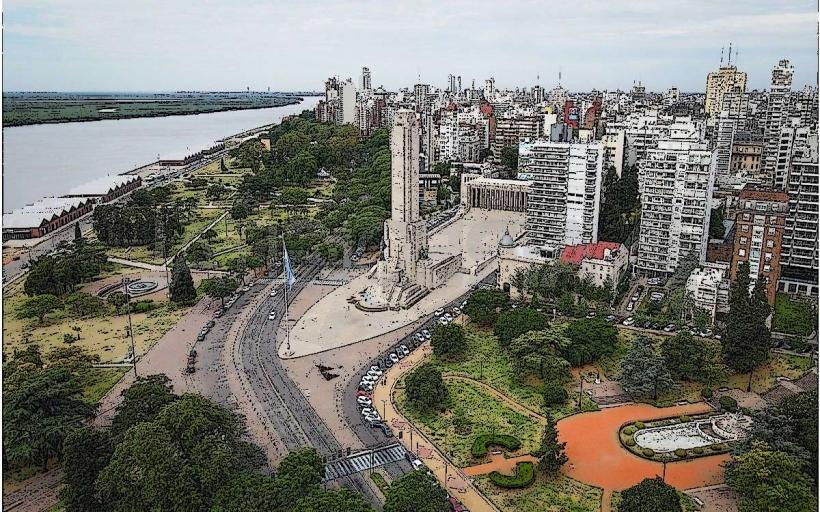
point(797, 317)
point(482, 413)
point(765, 377)
point(548, 494)
point(486, 361)
point(97, 381)
point(104, 336)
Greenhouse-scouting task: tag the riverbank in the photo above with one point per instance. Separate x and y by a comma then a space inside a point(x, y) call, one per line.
point(26, 109)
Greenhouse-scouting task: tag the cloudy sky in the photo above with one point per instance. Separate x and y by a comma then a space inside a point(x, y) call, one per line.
point(166, 45)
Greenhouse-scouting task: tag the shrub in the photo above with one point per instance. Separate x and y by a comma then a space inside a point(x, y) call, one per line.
point(706, 393)
point(680, 452)
point(630, 430)
point(629, 441)
point(482, 441)
point(639, 425)
point(648, 452)
point(523, 477)
point(728, 403)
point(142, 306)
point(719, 447)
point(685, 419)
point(697, 450)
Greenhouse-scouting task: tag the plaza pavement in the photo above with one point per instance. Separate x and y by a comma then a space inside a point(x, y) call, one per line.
point(333, 322)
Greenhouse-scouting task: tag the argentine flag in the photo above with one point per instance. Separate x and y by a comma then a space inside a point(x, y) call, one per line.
point(289, 277)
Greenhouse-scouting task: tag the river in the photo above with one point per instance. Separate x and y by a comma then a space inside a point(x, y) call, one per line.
point(50, 159)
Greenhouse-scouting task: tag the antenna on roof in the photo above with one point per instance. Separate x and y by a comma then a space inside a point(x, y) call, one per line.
point(721, 55)
point(730, 53)
point(559, 76)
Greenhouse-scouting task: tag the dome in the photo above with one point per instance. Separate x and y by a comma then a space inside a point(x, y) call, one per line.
point(506, 240)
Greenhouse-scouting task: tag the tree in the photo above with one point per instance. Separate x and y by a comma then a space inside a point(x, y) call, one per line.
point(716, 228)
point(209, 235)
point(684, 269)
point(86, 452)
point(78, 234)
point(554, 393)
point(199, 251)
point(689, 357)
point(651, 495)
point(117, 299)
point(746, 343)
point(533, 353)
point(240, 210)
point(589, 339)
point(38, 414)
point(448, 341)
point(330, 251)
point(551, 454)
point(219, 287)
point(789, 427)
point(509, 157)
point(179, 460)
point(299, 471)
point(512, 324)
point(333, 501)
point(415, 492)
point(425, 388)
point(142, 401)
point(216, 191)
point(621, 206)
point(483, 306)
point(769, 481)
point(182, 289)
point(81, 304)
point(38, 307)
point(643, 371)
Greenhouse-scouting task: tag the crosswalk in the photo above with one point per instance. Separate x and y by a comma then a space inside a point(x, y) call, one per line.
point(363, 460)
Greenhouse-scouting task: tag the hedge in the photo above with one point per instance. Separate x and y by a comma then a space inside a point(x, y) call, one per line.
point(706, 393)
point(482, 441)
point(685, 419)
point(648, 452)
point(524, 476)
point(639, 425)
point(680, 452)
point(629, 430)
point(629, 441)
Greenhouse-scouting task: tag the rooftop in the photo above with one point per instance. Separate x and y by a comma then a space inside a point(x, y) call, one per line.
point(575, 254)
point(102, 185)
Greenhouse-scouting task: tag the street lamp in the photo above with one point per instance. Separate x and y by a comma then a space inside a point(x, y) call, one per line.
point(384, 410)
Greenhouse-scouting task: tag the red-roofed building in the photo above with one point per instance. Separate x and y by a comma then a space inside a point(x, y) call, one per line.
point(603, 262)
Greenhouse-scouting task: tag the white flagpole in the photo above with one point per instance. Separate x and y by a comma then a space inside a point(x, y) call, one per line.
point(287, 304)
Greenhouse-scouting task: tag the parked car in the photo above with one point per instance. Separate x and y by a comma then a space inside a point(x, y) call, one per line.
point(367, 410)
point(362, 392)
point(404, 349)
point(417, 464)
point(386, 430)
point(630, 306)
point(273, 293)
point(448, 316)
point(456, 311)
point(210, 324)
point(272, 315)
point(610, 318)
point(443, 321)
point(364, 400)
point(426, 334)
point(439, 312)
point(669, 328)
point(393, 357)
point(629, 321)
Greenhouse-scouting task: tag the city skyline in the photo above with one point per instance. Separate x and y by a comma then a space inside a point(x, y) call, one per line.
point(224, 46)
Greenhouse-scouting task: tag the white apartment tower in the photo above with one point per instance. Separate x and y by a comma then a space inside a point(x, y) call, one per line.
point(347, 101)
point(777, 112)
point(718, 83)
point(675, 184)
point(565, 191)
point(800, 244)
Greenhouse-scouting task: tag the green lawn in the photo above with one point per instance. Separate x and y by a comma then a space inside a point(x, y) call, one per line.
point(556, 494)
point(485, 360)
point(97, 381)
point(792, 316)
point(479, 413)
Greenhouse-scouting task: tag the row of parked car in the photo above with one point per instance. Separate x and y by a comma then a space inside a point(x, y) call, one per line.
point(649, 324)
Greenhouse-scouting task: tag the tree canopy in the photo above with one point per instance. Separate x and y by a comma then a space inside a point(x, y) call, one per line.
point(425, 388)
point(651, 495)
point(643, 370)
point(515, 322)
point(589, 339)
point(448, 341)
point(747, 341)
point(483, 306)
point(415, 492)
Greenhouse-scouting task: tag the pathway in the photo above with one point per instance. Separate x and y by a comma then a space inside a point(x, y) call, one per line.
point(499, 462)
point(594, 450)
point(451, 477)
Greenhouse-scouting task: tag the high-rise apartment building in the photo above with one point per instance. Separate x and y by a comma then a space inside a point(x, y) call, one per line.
point(347, 102)
point(364, 82)
point(718, 83)
point(777, 112)
point(726, 127)
point(799, 258)
point(675, 184)
point(565, 191)
point(760, 223)
point(509, 131)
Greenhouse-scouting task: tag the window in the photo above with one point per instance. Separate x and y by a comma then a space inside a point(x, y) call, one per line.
point(741, 252)
point(744, 228)
point(743, 240)
point(770, 244)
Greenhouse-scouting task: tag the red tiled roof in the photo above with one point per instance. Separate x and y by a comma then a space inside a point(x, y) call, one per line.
point(575, 254)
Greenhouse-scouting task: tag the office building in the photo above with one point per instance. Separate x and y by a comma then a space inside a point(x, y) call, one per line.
point(718, 83)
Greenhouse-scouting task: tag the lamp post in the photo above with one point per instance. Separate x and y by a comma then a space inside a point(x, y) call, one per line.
point(581, 389)
point(384, 409)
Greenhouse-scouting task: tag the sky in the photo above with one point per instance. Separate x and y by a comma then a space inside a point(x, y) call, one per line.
point(168, 45)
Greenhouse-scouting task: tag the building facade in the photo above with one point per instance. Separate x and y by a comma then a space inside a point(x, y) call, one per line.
point(675, 184)
point(759, 227)
point(565, 191)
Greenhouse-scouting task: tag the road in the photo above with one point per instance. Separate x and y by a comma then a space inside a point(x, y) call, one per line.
point(254, 380)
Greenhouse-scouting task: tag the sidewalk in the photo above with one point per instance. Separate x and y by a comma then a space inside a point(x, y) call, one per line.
point(448, 475)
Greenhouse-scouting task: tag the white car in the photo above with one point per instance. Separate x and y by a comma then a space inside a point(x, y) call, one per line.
point(630, 306)
point(448, 316)
point(273, 293)
point(394, 357)
point(456, 311)
point(369, 378)
point(629, 321)
point(417, 464)
point(426, 334)
point(375, 373)
point(368, 410)
point(364, 400)
point(443, 321)
point(272, 315)
point(439, 312)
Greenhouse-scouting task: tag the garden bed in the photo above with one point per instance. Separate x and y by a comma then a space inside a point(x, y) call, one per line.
point(523, 477)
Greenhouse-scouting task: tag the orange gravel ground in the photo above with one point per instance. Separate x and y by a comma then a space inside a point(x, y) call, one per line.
point(596, 456)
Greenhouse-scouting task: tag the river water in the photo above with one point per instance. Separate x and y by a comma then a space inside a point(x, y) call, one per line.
point(50, 159)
